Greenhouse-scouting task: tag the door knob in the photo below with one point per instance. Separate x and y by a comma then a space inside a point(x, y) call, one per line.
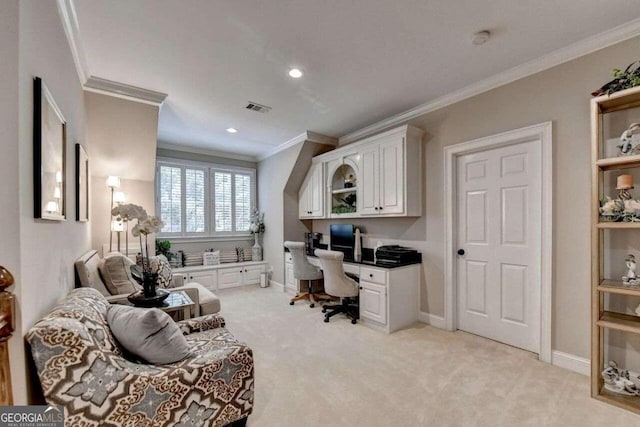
point(460, 251)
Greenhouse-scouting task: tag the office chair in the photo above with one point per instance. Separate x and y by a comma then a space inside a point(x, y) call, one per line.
point(303, 270)
point(338, 284)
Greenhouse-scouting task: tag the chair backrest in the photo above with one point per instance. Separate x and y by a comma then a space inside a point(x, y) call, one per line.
point(302, 268)
point(87, 274)
point(336, 283)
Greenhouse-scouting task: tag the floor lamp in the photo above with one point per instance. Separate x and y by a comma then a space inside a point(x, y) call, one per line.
point(113, 182)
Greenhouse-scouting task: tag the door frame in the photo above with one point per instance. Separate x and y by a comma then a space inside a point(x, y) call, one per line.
point(543, 134)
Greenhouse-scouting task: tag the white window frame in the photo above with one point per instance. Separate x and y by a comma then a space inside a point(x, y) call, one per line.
point(209, 170)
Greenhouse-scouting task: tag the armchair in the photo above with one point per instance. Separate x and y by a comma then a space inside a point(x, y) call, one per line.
point(82, 368)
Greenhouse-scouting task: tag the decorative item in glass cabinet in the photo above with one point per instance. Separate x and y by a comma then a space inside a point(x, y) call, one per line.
point(630, 141)
point(624, 208)
point(631, 277)
point(619, 381)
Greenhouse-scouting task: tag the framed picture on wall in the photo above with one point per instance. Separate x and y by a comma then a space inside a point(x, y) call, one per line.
point(82, 184)
point(49, 145)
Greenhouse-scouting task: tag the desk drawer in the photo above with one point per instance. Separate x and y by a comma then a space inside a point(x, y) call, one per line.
point(373, 275)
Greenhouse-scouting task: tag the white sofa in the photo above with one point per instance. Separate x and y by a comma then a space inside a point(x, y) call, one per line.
point(88, 276)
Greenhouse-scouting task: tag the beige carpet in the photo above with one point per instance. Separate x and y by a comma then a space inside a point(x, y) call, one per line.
point(310, 373)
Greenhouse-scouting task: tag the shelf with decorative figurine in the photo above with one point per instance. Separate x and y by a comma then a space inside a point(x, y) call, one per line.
point(344, 192)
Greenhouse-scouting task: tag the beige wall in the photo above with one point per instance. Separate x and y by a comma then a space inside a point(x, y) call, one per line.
point(199, 157)
point(9, 173)
point(273, 175)
point(47, 248)
point(123, 138)
point(138, 192)
point(561, 95)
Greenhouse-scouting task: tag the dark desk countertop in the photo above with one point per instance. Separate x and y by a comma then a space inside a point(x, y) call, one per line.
point(371, 263)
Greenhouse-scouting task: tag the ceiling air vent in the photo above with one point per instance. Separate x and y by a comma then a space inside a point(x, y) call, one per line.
point(254, 106)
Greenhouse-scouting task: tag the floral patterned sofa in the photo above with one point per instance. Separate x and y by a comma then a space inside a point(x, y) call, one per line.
point(82, 368)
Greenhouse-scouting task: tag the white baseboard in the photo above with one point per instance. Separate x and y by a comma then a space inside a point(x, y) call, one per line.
point(571, 362)
point(277, 285)
point(432, 319)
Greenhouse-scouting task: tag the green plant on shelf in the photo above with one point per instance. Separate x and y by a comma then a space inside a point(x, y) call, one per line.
point(343, 209)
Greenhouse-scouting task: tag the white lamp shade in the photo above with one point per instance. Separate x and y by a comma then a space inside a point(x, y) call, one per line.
point(118, 197)
point(113, 181)
point(56, 193)
point(117, 225)
point(52, 207)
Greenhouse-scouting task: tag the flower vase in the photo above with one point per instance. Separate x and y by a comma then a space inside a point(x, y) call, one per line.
point(256, 250)
point(149, 284)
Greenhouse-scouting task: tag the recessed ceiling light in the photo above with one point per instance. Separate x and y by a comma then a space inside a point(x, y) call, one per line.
point(481, 37)
point(295, 73)
point(232, 130)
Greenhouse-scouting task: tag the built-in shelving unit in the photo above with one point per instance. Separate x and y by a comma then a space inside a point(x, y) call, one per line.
point(604, 289)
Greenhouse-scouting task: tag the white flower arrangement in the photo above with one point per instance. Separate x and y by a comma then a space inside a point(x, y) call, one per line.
point(146, 225)
point(256, 226)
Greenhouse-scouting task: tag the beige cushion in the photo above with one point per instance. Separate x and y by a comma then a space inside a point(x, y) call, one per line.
point(209, 302)
point(148, 333)
point(87, 272)
point(116, 274)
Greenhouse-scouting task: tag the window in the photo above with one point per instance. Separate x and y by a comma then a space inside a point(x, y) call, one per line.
point(204, 200)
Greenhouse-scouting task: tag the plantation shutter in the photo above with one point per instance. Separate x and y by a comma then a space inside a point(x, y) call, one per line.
point(171, 199)
point(243, 201)
point(195, 200)
point(223, 216)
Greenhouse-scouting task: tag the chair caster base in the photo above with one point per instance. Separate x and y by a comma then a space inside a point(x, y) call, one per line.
point(312, 305)
point(354, 321)
point(291, 302)
point(326, 320)
point(324, 310)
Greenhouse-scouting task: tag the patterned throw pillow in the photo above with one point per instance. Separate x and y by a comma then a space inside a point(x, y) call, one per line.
point(160, 265)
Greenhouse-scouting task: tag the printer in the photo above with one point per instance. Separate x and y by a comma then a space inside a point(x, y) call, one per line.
point(397, 255)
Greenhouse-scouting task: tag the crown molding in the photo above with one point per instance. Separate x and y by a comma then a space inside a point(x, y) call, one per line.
point(198, 150)
point(121, 90)
point(69, 19)
point(583, 47)
point(304, 136)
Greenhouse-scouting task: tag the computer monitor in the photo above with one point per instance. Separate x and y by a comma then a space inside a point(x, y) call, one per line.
point(342, 239)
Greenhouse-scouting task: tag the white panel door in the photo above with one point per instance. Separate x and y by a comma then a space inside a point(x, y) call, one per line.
point(316, 192)
point(391, 176)
point(373, 302)
point(230, 277)
point(252, 274)
point(208, 279)
point(368, 182)
point(499, 225)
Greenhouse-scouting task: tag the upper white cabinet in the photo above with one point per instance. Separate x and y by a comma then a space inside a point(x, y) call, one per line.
point(382, 177)
point(311, 195)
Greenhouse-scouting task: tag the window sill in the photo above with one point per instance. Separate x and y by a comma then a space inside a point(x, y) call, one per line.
point(204, 239)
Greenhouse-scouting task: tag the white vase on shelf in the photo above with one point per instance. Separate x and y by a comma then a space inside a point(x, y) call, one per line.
point(256, 249)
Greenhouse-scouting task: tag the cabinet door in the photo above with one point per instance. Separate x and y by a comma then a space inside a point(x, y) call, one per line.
point(368, 181)
point(391, 196)
point(230, 277)
point(373, 302)
point(304, 208)
point(316, 192)
point(289, 280)
point(252, 274)
point(208, 279)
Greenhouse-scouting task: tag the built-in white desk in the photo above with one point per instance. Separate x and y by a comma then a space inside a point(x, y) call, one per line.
point(389, 297)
